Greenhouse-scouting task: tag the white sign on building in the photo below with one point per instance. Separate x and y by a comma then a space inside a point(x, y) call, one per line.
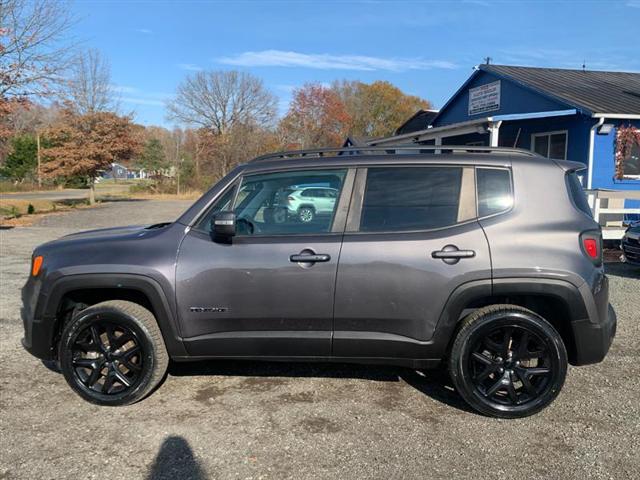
point(485, 98)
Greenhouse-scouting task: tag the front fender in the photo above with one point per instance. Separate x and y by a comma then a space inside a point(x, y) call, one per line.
point(163, 306)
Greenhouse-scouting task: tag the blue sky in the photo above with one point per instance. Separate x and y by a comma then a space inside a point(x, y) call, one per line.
point(427, 48)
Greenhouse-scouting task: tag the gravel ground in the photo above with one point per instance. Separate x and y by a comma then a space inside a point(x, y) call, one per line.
point(253, 420)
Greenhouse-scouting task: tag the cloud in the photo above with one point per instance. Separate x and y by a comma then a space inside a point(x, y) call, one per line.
point(190, 66)
point(324, 61)
point(144, 31)
point(137, 96)
point(633, 3)
point(480, 3)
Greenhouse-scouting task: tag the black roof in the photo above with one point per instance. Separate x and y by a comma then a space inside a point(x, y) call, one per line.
point(595, 91)
point(418, 121)
point(356, 141)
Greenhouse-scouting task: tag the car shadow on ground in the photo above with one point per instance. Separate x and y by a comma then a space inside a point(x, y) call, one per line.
point(432, 383)
point(175, 460)
point(623, 270)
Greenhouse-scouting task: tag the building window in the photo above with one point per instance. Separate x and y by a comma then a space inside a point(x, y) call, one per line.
point(550, 144)
point(627, 153)
point(631, 163)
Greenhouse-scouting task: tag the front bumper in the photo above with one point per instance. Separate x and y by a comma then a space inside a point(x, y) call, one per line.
point(631, 251)
point(38, 331)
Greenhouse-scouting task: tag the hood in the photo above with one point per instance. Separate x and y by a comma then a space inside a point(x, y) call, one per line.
point(129, 232)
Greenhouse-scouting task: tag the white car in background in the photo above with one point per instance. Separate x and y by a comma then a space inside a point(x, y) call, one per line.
point(308, 202)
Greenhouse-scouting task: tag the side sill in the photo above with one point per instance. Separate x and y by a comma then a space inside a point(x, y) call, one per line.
point(414, 363)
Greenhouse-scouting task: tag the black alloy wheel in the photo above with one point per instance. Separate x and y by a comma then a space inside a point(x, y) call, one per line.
point(507, 361)
point(113, 353)
point(510, 365)
point(107, 357)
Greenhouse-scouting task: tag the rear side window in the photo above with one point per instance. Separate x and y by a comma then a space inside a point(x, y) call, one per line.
point(494, 191)
point(577, 193)
point(410, 198)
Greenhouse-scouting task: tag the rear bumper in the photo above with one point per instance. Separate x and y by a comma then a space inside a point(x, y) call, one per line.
point(593, 340)
point(593, 335)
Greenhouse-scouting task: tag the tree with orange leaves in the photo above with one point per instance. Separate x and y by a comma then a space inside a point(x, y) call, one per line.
point(316, 118)
point(84, 145)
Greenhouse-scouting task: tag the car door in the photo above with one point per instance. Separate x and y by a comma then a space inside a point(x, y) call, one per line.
point(259, 295)
point(411, 238)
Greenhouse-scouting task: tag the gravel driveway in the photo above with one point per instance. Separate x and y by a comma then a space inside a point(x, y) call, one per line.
point(252, 420)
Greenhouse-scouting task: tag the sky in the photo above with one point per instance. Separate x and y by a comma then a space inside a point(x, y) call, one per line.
point(426, 48)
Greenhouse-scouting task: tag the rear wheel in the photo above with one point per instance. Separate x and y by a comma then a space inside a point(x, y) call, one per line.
point(113, 353)
point(506, 361)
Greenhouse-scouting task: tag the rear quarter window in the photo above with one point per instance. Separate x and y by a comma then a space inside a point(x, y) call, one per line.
point(494, 191)
point(577, 194)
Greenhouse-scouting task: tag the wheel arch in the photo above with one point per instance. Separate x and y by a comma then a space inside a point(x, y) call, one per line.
point(89, 289)
point(557, 301)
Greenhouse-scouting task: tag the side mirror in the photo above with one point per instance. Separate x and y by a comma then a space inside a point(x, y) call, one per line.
point(223, 225)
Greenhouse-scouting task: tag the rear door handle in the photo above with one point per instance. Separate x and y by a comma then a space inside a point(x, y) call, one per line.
point(310, 258)
point(450, 254)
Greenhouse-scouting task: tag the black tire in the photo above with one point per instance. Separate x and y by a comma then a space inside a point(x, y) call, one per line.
point(113, 377)
point(306, 214)
point(507, 361)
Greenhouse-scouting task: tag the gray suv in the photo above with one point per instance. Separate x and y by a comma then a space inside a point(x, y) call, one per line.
point(484, 260)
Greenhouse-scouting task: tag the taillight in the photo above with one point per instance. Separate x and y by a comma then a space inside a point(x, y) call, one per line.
point(591, 243)
point(591, 247)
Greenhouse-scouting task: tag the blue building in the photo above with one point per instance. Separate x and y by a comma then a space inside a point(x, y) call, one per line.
point(559, 113)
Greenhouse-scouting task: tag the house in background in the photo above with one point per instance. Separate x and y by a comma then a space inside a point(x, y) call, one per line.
point(420, 120)
point(558, 113)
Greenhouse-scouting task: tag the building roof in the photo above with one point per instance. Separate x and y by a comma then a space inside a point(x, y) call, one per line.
point(418, 121)
point(596, 91)
point(356, 141)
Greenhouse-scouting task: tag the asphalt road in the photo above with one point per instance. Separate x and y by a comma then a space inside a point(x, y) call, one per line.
point(232, 420)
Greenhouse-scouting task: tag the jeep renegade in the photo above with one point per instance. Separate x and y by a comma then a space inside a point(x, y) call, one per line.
point(486, 260)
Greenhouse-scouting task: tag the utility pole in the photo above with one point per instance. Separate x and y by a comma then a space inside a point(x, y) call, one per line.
point(178, 164)
point(38, 157)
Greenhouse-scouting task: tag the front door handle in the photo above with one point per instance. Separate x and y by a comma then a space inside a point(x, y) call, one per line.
point(309, 258)
point(450, 254)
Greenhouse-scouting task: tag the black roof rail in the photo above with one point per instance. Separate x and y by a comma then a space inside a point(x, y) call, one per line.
point(390, 150)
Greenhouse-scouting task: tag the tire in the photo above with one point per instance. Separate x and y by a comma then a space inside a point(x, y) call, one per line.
point(306, 214)
point(507, 361)
point(110, 377)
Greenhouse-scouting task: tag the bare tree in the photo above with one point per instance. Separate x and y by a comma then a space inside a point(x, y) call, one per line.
point(89, 88)
point(222, 100)
point(33, 47)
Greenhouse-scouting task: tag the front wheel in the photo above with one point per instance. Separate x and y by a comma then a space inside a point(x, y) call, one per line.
point(508, 362)
point(113, 353)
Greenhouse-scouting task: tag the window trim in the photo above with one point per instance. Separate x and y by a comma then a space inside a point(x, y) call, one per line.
point(548, 134)
point(513, 195)
point(339, 218)
point(359, 187)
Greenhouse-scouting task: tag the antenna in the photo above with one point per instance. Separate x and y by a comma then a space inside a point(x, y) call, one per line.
point(487, 60)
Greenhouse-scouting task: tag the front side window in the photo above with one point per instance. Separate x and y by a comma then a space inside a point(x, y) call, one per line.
point(494, 191)
point(287, 202)
point(551, 145)
point(410, 198)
